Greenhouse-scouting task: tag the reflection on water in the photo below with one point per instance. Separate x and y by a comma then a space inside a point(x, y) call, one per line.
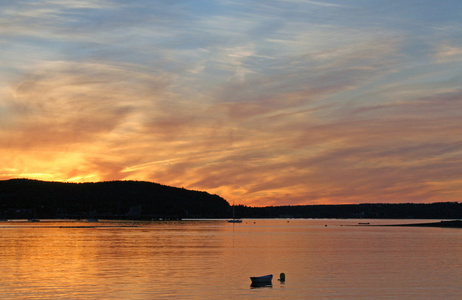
point(214, 259)
point(261, 285)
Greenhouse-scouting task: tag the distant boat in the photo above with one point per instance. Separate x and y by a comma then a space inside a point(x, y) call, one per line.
point(262, 280)
point(234, 220)
point(92, 220)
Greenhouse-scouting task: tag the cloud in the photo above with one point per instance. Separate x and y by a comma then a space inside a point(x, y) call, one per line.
point(445, 53)
point(73, 103)
point(398, 150)
point(319, 3)
point(75, 111)
point(267, 104)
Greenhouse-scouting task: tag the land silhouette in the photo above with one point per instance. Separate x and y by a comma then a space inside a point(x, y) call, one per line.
point(24, 198)
point(140, 200)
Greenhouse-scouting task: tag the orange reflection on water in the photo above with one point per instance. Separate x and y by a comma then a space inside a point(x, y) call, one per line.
point(214, 260)
point(89, 261)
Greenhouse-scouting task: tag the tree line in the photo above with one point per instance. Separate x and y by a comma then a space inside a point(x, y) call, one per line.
point(439, 210)
point(25, 199)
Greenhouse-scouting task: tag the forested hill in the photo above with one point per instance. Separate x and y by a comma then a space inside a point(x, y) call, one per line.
point(28, 199)
point(24, 198)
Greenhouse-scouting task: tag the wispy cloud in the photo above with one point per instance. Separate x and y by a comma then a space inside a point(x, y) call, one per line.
point(267, 103)
point(448, 53)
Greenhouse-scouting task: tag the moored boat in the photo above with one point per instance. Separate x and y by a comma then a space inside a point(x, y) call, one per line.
point(262, 280)
point(234, 220)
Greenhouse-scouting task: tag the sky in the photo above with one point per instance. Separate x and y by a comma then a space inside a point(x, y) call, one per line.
point(289, 102)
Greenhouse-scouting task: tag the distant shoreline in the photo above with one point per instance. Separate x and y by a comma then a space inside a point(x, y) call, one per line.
point(441, 224)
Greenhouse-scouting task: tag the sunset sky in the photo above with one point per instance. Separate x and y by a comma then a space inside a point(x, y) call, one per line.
point(262, 102)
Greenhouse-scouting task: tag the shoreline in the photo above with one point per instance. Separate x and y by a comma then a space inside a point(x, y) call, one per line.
point(441, 224)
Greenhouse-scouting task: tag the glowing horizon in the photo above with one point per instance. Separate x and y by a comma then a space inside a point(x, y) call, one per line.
point(266, 103)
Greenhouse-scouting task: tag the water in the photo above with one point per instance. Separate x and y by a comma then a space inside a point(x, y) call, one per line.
point(214, 260)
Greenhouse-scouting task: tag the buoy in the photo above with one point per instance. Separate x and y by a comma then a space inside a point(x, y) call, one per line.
point(282, 277)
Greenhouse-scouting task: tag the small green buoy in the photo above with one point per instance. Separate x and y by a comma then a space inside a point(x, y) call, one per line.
point(282, 277)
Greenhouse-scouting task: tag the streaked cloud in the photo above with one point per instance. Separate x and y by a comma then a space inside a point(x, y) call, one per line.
point(268, 103)
point(448, 53)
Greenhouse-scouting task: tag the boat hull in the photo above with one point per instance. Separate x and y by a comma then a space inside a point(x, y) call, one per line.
point(262, 280)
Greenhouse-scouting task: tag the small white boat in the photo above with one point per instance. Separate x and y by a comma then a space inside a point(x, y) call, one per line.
point(262, 280)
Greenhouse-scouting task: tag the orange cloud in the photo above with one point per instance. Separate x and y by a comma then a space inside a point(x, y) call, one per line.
point(258, 107)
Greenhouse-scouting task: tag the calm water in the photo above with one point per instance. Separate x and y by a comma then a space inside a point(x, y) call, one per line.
point(214, 260)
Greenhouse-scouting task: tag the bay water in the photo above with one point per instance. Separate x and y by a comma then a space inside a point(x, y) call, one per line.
point(213, 259)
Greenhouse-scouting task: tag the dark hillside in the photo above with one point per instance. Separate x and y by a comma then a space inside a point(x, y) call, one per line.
point(23, 198)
